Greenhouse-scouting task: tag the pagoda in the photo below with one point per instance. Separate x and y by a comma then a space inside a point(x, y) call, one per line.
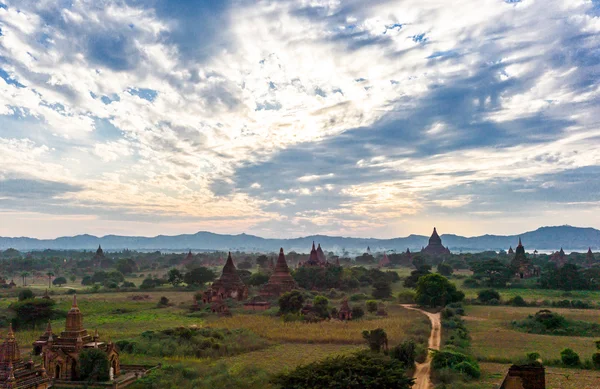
point(385, 261)
point(321, 254)
point(589, 258)
point(61, 352)
point(99, 253)
point(435, 247)
point(229, 285)
point(313, 259)
point(281, 280)
point(15, 373)
point(510, 251)
point(345, 313)
point(559, 257)
point(189, 258)
point(520, 264)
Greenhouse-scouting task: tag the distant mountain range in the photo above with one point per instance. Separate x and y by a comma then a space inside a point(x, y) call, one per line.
point(544, 238)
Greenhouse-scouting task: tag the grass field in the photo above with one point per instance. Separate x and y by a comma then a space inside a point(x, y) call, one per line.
point(493, 340)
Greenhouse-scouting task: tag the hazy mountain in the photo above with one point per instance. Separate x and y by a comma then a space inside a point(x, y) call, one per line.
point(545, 238)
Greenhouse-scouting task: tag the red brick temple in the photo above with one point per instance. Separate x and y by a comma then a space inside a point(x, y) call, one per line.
point(281, 280)
point(61, 352)
point(435, 247)
point(15, 373)
point(229, 285)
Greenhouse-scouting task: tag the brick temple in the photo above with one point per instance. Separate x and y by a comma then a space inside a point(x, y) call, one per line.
point(15, 373)
point(435, 247)
point(281, 280)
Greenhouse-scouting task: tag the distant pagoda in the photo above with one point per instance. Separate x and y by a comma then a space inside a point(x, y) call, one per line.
point(313, 258)
point(15, 373)
point(385, 261)
point(521, 265)
point(510, 251)
point(589, 258)
point(321, 254)
point(281, 280)
point(435, 247)
point(559, 258)
point(229, 285)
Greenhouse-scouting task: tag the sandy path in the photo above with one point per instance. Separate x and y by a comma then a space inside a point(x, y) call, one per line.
point(422, 371)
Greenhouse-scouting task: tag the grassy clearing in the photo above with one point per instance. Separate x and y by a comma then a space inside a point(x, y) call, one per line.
point(493, 340)
point(400, 324)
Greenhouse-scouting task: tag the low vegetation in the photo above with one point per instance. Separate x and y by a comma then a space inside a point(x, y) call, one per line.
point(546, 322)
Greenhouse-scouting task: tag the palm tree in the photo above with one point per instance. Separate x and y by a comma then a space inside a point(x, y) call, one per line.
point(24, 275)
point(50, 275)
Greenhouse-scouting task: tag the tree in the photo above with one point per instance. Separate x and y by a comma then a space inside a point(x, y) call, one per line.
point(73, 277)
point(174, 277)
point(199, 276)
point(444, 269)
point(291, 302)
point(50, 275)
point(357, 312)
point(60, 281)
point(24, 275)
point(376, 339)
point(434, 290)
point(125, 266)
point(411, 281)
point(258, 279)
point(321, 306)
point(492, 273)
point(406, 353)
point(93, 365)
point(33, 312)
point(262, 260)
point(569, 357)
point(87, 281)
point(362, 370)
point(26, 294)
point(382, 289)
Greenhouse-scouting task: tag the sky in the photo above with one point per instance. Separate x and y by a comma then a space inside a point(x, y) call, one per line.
point(290, 118)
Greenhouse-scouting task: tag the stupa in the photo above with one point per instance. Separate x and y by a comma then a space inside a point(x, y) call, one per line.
point(229, 285)
point(435, 247)
point(15, 373)
point(281, 280)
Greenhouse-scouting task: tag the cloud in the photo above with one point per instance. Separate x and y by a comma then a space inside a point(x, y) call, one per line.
point(304, 116)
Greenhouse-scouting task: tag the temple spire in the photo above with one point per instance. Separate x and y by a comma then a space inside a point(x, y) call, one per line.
point(10, 335)
point(74, 301)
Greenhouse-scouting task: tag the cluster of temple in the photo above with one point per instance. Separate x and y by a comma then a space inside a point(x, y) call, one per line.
point(317, 258)
point(525, 269)
point(522, 265)
point(230, 286)
point(435, 247)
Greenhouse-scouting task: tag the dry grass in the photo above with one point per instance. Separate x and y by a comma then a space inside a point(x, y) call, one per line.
point(493, 340)
point(493, 374)
point(397, 325)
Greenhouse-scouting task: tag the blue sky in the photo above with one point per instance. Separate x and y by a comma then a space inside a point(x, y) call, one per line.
point(293, 117)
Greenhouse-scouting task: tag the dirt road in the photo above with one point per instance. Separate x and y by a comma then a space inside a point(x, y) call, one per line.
point(422, 371)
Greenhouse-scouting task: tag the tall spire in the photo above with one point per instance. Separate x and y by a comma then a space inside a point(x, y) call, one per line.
point(74, 301)
point(10, 335)
point(520, 244)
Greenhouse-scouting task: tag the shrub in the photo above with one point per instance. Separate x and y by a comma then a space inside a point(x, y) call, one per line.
point(494, 302)
point(471, 283)
point(291, 302)
point(596, 360)
point(376, 339)
point(60, 281)
point(533, 356)
point(406, 297)
point(371, 306)
point(357, 312)
point(447, 358)
point(518, 301)
point(468, 368)
point(569, 357)
point(382, 289)
point(488, 294)
point(163, 302)
point(359, 370)
point(148, 283)
point(258, 279)
point(26, 294)
point(406, 353)
point(358, 297)
point(128, 284)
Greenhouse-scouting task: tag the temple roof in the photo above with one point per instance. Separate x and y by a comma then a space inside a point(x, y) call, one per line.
point(321, 254)
point(9, 349)
point(229, 277)
point(281, 265)
point(435, 238)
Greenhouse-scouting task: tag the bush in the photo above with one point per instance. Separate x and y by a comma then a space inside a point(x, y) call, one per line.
point(382, 289)
point(406, 297)
point(163, 302)
point(376, 339)
point(488, 294)
point(128, 284)
point(532, 357)
point(494, 302)
point(60, 281)
point(569, 357)
point(291, 302)
point(358, 297)
point(468, 368)
point(258, 279)
point(518, 301)
point(359, 370)
point(148, 283)
point(471, 283)
point(447, 358)
point(596, 360)
point(26, 294)
point(357, 312)
point(371, 306)
point(406, 353)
